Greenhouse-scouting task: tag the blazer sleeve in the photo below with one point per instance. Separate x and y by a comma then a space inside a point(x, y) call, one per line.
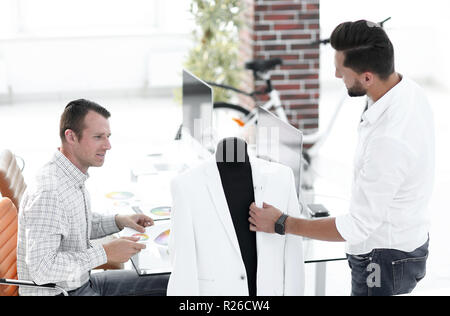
point(294, 266)
point(184, 277)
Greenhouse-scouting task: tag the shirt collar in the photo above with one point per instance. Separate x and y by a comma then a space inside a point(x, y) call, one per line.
point(69, 168)
point(376, 109)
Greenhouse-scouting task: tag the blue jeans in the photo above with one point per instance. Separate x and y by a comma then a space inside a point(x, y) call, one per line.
point(385, 272)
point(123, 283)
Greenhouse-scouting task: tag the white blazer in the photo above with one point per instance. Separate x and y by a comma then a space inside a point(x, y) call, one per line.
point(204, 247)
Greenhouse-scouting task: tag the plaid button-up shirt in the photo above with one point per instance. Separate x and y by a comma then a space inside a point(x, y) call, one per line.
point(55, 226)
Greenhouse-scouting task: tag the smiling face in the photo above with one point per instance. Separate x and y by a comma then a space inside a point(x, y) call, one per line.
point(353, 81)
point(90, 148)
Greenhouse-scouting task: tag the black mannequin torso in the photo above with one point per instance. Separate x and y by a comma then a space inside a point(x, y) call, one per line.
point(237, 182)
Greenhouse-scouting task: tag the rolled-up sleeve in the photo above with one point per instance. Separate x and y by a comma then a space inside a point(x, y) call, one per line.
point(381, 170)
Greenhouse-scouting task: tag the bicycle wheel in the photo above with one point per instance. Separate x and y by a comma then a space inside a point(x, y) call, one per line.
point(237, 108)
point(229, 120)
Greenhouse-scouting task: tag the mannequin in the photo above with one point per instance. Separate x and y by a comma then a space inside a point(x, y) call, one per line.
point(212, 249)
point(236, 176)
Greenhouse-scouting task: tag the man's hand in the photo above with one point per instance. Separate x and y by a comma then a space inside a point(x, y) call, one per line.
point(120, 250)
point(136, 221)
point(263, 219)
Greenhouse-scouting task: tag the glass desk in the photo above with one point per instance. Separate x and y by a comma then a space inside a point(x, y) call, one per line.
point(145, 188)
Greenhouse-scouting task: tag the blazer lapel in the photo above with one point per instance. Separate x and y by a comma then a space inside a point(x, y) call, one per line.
point(264, 242)
point(215, 189)
point(259, 181)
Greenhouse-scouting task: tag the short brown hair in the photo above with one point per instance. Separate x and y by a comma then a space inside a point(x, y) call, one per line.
point(74, 114)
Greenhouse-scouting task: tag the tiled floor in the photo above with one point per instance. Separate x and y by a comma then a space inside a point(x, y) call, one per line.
point(142, 124)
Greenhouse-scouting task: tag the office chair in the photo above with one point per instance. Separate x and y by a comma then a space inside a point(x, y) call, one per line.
point(8, 256)
point(12, 184)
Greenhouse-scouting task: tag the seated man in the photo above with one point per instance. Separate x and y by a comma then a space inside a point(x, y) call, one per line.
point(213, 250)
point(56, 222)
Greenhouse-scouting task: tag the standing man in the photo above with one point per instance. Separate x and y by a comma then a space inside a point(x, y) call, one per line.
point(56, 223)
point(386, 229)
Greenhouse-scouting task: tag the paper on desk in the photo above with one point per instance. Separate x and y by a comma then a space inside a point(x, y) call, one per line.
point(156, 239)
point(157, 234)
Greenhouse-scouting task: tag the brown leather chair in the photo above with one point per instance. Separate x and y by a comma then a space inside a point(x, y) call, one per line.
point(12, 184)
point(8, 257)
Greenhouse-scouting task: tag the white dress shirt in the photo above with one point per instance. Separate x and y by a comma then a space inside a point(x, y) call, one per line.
point(55, 228)
point(393, 174)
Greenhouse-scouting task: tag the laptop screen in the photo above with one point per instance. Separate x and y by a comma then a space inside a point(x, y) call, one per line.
point(197, 109)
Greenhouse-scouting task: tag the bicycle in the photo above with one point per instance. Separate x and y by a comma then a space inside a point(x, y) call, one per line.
point(234, 118)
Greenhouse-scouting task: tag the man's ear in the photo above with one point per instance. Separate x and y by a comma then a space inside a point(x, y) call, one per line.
point(70, 136)
point(368, 79)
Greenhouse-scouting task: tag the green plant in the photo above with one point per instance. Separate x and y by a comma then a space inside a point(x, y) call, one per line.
point(214, 56)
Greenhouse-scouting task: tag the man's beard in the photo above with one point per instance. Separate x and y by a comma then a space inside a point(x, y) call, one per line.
point(357, 90)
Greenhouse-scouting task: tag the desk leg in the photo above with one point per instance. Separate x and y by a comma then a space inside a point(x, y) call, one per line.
point(321, 275)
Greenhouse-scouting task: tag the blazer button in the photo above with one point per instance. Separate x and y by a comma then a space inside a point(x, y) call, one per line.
point(242, 277)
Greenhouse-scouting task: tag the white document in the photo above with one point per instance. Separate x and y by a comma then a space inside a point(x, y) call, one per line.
point(156, 238)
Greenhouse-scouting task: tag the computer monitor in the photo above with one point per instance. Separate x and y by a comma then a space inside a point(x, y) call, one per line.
point(280, 142)
point(197, 109)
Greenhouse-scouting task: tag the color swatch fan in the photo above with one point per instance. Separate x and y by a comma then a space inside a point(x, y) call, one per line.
point(161, 212)
point(163, 238)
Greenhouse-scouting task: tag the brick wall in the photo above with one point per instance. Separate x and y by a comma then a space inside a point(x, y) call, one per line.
point(286, 29)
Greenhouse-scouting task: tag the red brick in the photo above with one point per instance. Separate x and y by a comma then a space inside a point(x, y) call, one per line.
point(312, 86)
point(273, 47)
point(310, 16)
point(314, 26)
point(278, 17)
point(295, 36)
point(302, 116)
point(312, 6)
point(303, 76)
point(296, 66)
point(277, 77)
point(286, 57)
point(286, 7)
point(310, 126)
point(267, 37)
point(300, 96)
point(289, 26)
point(287, 86)
point(304, 106)
point(262, 27)
point(304, 46)
point(311, 56)
point(259, 8)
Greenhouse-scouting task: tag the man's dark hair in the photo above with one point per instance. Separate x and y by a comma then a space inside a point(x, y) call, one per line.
point(74, 114)
point(366, 47)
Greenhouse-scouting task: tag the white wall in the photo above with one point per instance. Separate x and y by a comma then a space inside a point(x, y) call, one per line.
point(55, 47)
point(418, 29)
